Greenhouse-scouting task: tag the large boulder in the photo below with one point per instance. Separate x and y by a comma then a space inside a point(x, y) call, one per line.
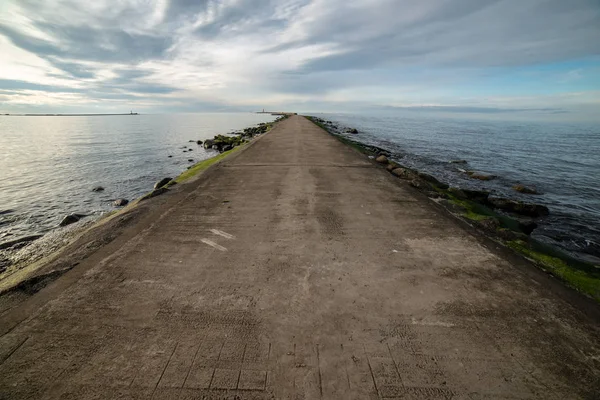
point(382, 159)
point(120, 202)
point(69, 219)
point(98, 189)
point(420, 184)
point(518, 207)
point(198, 141)
point(527, 225)
point(432, 179)
point(154, 193)
point(404, 173)
point(208, 143)
point(352, 130)
point(162, 182)
point(480, 196)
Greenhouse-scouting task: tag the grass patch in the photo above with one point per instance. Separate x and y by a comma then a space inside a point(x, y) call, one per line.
point(586, 282)
point(202, 165)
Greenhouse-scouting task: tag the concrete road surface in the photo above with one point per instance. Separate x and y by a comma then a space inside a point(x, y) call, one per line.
point(299, 269)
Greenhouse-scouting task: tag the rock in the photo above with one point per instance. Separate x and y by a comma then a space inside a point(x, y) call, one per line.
point(508, 234)
point(120, 202)
point(198, 142)
point(452, 206)
point(98, 189)
point(482, 176)
point(458, 193)
point(190, 149)
point(69, 219)
point(226, 147)
point(518, 207)
point(476, 195)
point(19, 241)
point(352, 130)
point(190, 160)
point(208, 144)
point(382, 159)
point(403, 173)
point(525, 189)
point(420, 184)
point(392, 166)
point(489, 224)
point(155, 193)
point(191, 141)
point(432, 179)
point(434, 194)
point(526, 225)
point(457, 161)
point(162, 182)
point(170, 156)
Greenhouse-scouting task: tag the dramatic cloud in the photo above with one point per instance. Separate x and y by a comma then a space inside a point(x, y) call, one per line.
point(467, 56)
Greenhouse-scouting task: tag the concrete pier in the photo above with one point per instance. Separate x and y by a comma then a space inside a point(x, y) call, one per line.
point(300, 269)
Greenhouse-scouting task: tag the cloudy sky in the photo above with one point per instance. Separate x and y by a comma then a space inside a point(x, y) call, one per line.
point(488, 57)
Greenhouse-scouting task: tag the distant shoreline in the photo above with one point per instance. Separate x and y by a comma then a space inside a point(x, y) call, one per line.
point(64, 115)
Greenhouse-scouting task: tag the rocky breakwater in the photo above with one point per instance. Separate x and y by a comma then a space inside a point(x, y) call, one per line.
point(223, 143)
point(507, 221)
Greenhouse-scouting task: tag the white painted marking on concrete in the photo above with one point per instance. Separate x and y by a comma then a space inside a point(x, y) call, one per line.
point(221, 233)
point(213, 244)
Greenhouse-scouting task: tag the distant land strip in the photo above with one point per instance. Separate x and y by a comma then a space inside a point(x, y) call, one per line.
point(65, 115)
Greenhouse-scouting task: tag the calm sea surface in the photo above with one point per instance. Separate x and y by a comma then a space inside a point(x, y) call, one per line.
point(49, 165)
point(561, 160)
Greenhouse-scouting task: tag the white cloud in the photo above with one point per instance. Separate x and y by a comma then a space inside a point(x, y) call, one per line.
point(252, 52)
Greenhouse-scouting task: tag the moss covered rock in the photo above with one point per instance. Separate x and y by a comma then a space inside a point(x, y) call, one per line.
point(518, 207)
